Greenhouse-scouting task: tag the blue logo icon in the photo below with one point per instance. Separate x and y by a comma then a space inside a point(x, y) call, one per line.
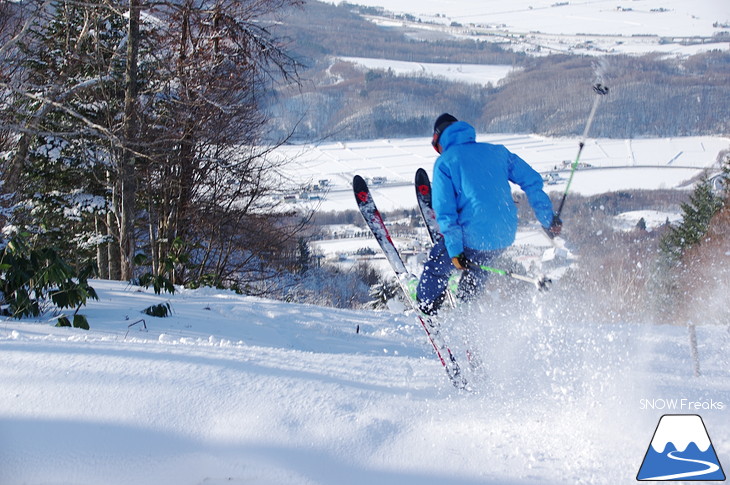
point(681, 450)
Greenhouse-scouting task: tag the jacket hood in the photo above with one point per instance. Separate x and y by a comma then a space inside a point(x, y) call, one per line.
point(456, 134)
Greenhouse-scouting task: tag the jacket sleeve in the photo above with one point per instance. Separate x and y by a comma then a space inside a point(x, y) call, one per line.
point(445, 205)
point(531, 183)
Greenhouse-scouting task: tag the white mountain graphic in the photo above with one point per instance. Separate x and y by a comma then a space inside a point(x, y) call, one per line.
point(680, 429)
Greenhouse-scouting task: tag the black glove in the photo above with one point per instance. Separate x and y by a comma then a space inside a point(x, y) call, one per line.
point(459, 261)
point(555, 226)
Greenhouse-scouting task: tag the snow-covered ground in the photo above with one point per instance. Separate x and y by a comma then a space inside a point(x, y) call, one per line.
point(627, 221)
point(234, 390)
point(636, 17)
point(598, 28)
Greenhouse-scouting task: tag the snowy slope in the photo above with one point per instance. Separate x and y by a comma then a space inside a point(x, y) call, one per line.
point(234, 389)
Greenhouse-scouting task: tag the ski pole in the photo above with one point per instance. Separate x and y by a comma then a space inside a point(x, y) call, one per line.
point(600, 90)
point(540, 283)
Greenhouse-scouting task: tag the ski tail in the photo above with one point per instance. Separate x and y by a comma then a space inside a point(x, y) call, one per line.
point(375, 223)
point(425, 204)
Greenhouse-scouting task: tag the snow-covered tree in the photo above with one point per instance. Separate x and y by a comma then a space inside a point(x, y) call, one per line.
point(679, 264)
point(204, 179)
point(69, 96)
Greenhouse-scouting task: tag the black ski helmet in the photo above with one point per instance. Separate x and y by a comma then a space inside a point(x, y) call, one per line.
point(442, 122)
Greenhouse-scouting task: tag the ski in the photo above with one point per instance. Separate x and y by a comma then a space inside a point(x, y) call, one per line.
point(375, 223)
point(425, 205)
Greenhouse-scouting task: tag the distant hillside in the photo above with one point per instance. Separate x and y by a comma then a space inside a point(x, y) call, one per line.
point(321, 29)
point(650, 95)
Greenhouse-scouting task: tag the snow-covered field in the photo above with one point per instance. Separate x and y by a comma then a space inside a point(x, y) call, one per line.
point(597, 27)
point(606, 165)
point(239, 390)
point(482, 74)
point(540, 27)
point(659, 17)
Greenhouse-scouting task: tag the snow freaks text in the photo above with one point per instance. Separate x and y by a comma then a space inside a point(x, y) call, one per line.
point(676, 404)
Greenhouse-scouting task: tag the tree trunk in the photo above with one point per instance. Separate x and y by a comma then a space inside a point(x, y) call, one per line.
point(127, 176)
point(102, 254)
point(114, 259)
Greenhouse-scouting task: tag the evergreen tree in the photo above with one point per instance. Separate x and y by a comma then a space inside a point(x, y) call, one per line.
point(703, 204)
point(304, 256)
point(382, 292)
point(72, 93)
point(697, 213)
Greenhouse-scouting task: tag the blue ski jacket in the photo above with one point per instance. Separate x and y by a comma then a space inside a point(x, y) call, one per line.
point(472, 195)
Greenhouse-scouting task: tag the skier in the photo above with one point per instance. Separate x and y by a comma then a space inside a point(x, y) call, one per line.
point(475, 209)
